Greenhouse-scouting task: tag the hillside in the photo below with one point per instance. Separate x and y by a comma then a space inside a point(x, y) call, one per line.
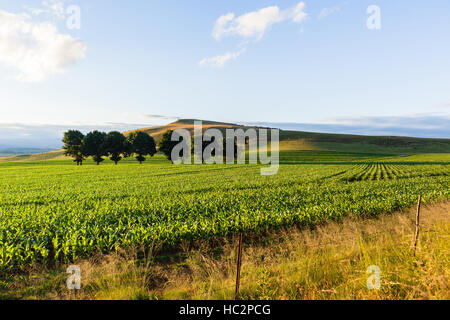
point(298, 140)
point(156, 132)
point(51, 155)
point(291, 141)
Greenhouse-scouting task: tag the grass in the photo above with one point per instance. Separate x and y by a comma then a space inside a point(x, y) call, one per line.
point(307, 156)
point(297, 140)
point(288, 154)
point(326, 262)
point(55, 211)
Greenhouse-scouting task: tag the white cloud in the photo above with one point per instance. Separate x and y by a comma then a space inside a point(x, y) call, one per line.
point(34, 11)
point(298, 15)
point(331, 10)
point(250, 25)
point(158, 117)
point(254, 24)
point(36, 50)
point(219, 61)
point(54, 8)
point(328, 11)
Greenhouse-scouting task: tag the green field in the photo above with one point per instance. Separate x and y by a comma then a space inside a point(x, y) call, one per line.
point(55, 211)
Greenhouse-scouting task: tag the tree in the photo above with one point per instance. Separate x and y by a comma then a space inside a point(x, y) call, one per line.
point(142, 144)
point(166, 145)
point(73, 145)
point(127, 148)
point(115, 145)
point(94, 145)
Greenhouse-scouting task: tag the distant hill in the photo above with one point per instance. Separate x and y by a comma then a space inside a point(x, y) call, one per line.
point(51, 155)
point(295, 141)
point(298, 140)
point(156, 132)
point(4, 152)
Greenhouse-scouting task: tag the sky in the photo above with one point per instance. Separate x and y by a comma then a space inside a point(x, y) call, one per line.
point(364, 67)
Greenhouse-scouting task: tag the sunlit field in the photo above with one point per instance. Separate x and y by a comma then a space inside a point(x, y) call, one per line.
point(55, 211)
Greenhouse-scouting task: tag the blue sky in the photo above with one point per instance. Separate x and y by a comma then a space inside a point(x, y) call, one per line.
point(314, 63)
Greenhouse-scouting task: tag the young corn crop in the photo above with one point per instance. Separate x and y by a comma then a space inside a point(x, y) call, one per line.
point(53, 212)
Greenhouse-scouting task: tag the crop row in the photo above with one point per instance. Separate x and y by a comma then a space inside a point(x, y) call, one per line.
point(381, 171)
point(60, 213)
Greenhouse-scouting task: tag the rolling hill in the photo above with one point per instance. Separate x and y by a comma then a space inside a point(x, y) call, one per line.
point(293, 141)
point(311, 141)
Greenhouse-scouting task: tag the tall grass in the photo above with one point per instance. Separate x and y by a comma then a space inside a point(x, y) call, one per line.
point(327, 262)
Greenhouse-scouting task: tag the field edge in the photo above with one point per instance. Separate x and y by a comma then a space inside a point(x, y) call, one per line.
point(328, 261)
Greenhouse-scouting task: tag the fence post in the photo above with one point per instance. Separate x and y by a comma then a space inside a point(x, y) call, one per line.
point(239, 263)
point(416, 235)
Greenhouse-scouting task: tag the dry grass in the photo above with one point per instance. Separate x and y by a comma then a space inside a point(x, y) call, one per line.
point(329, 262)
point(158, 131)
point(299, 144)
point(51, 155)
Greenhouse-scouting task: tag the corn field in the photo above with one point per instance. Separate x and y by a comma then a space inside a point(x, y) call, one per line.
point(54, 212)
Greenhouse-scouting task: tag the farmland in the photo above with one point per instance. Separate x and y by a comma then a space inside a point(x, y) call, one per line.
point(55, 211)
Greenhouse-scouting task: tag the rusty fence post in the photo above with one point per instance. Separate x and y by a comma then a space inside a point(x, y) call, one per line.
point(416, 235)
point(238, 267)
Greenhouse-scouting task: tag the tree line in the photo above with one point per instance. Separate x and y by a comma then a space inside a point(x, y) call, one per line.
point(117, 146)
point(114, 145)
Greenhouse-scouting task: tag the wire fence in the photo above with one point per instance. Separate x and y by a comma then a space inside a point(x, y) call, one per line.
point(240, 257)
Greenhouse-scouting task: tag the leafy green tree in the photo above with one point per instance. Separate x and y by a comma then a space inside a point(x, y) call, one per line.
point(127, 148)
point(115, 146)
point(73, 145)
point(141, 144)
point(166, 145)
point(94, 145)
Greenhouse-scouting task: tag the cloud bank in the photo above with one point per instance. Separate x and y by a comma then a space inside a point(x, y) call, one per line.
point(420, 126)
point(159, 117)
point(16, 135)
point(24, 135)
point(36, 50)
